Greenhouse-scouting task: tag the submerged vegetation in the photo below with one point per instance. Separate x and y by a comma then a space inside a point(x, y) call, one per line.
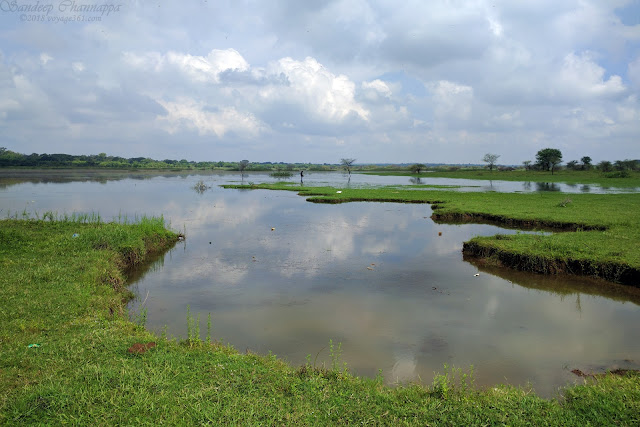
point(70, 355)
point(603, 242)
point(281, 174)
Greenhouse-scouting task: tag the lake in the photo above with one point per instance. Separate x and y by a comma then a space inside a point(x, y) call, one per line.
point(283, 275)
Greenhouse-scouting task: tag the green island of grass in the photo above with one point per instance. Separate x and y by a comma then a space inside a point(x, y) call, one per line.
point(70, 354)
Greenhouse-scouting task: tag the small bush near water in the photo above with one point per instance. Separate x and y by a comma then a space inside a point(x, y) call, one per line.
point(281, 174)
point(201, 187)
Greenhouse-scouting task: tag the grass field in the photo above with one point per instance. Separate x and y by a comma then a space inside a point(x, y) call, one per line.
point(65, 359)
point(610, 179)
point(603, 242)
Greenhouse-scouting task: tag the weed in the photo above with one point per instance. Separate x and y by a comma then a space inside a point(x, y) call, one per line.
point(281, 174)
point(335, 353)
point(564, 203)
point(201, 187)
point(453, 382)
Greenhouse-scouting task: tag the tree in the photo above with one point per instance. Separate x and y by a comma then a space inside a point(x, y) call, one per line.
point(242, 165)
point(417, 168)
point(527, 164)
point(573, 164)
point(347, 163)
point(490, 160)
point(586, 162)
point(605, 166)
point(549, 158)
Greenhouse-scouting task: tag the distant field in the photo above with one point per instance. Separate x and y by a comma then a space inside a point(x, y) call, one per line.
point(569, 176)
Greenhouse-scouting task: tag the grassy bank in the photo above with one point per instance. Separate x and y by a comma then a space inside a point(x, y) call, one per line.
point(608, 179)
point(604, 241)
point(64, 340)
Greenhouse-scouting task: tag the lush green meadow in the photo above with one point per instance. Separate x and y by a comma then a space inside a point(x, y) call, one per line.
point(64, 340)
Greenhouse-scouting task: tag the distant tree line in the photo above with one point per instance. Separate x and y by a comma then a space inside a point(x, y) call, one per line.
point(549, 159)
point(10, 158)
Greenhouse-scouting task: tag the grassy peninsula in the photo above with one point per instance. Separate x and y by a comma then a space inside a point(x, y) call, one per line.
point(70, 354)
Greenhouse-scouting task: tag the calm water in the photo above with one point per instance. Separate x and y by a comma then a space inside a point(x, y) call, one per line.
point(376, 277)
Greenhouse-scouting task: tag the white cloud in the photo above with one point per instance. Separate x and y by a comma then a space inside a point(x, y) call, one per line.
point(451, 100)
point(78, 67)
point(44, 58)
point(629, 110)
point(197, 68)
point(378, 87)
point(326, 96)
point(190, 114)
point(582, 77)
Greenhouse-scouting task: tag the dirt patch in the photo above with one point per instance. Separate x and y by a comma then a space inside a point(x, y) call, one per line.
point(619, 372)
point(139, 348)
point(503, 221)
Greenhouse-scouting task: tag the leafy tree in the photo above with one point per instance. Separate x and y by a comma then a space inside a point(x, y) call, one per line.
point(586, 162)
point(626, 164)
point(549, 158)
point(490, 160)
point(347, 163)
point(573, 164)
point(527, 164)
point(417, 168)
point(242, 165)
point(605, 166)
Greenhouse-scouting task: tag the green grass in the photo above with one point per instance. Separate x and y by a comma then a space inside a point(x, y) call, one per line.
point(569, 176)
point(604, 242)
point(65, 294)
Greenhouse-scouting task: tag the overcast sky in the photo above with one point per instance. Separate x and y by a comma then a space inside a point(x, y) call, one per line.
point(315, 81)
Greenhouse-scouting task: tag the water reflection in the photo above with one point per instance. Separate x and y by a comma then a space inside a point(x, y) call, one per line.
point(9, 178)
point(548, 186)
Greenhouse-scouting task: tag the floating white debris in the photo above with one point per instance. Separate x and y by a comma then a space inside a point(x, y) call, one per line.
point(477, 274)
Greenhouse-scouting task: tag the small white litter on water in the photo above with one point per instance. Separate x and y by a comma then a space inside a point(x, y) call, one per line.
point(477, 274)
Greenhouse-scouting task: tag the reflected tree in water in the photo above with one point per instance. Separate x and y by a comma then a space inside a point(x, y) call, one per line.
point(547, 186)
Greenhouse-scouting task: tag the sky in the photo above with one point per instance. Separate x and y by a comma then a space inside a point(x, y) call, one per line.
point(443, 81)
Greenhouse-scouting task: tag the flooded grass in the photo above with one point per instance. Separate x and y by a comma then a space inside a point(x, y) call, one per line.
point(70, 355)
